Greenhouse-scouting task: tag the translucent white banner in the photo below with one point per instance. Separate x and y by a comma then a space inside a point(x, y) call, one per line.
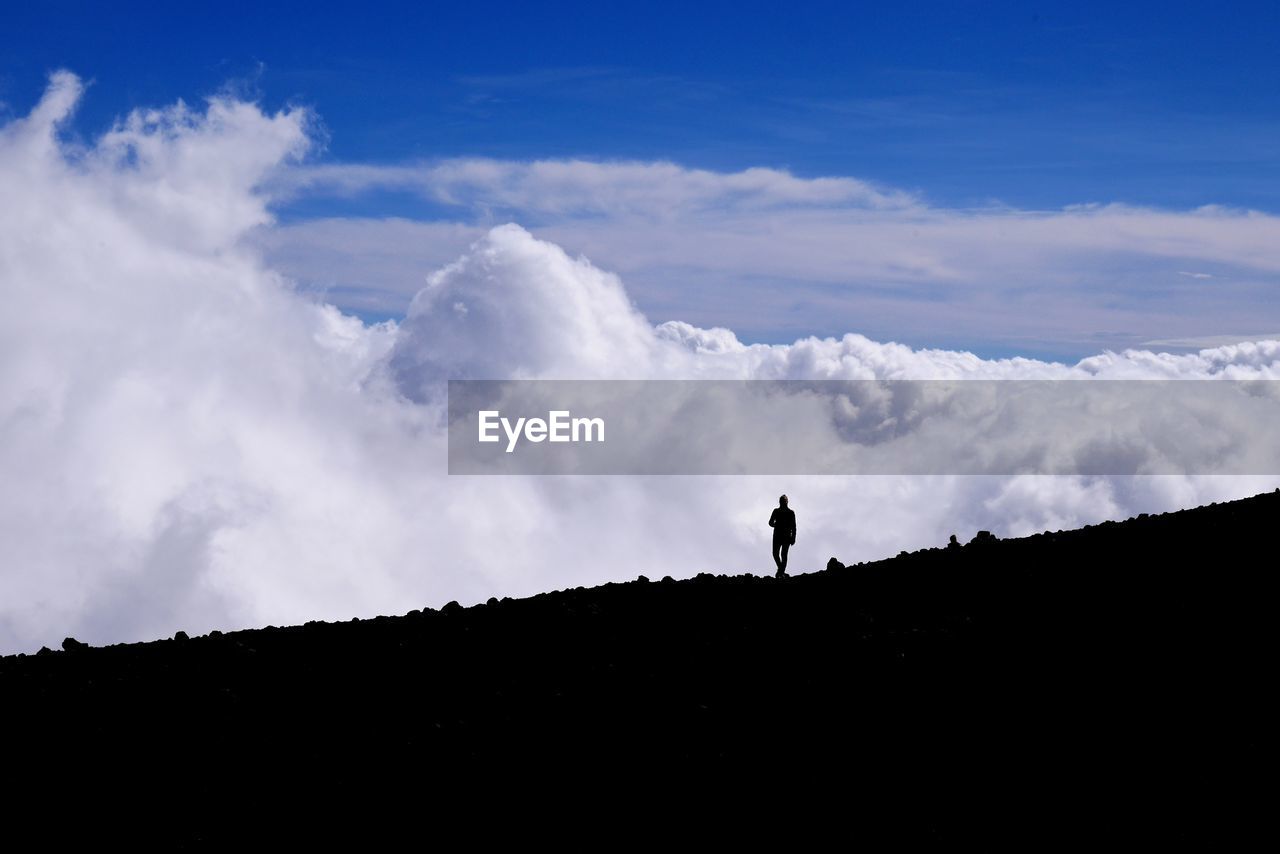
point(1000, 427)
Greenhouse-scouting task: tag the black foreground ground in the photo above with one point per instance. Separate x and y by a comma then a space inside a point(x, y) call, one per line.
point(1110, 684)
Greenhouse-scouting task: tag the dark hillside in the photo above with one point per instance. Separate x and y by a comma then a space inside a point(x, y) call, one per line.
point(1109, 684)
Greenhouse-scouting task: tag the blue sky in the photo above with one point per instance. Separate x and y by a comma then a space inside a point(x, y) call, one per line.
point(1012, 110)
point(1034, 104)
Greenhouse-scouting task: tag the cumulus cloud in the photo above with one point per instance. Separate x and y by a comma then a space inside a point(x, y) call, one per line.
point(166, 404)
point(191, 441)
point(514, 307)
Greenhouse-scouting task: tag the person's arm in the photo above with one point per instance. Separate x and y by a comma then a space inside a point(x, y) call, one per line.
point(773, 517)
point(793, 528)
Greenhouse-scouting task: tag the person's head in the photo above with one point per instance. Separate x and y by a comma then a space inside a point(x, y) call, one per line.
point(782, 501)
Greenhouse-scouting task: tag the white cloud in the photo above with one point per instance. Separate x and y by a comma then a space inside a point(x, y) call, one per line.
point(190, 443)
point(534, 312)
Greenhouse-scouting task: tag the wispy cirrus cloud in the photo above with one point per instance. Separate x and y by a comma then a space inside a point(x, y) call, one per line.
point(774, 254)
point(584, 187)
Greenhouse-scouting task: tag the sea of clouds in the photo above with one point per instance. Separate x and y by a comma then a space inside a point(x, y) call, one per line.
point(189, 441)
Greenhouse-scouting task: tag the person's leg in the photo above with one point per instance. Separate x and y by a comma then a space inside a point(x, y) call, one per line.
point(777, 560)
point(786, 546)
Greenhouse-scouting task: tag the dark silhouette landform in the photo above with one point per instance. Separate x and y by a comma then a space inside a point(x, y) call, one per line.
point(1102, 685)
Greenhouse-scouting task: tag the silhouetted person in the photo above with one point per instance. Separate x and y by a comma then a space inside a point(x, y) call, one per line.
point(783, 522)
